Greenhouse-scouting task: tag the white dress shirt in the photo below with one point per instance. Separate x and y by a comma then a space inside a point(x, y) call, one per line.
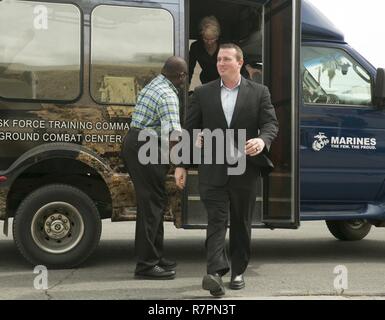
point(229, 99)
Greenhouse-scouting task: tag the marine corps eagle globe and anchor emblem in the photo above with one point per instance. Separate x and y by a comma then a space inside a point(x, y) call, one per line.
point(321, 142)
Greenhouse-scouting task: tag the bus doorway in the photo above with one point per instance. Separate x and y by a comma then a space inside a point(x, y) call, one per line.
point(268, 33)
point(239, 22)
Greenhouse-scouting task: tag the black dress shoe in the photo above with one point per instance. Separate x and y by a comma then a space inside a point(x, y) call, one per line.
point(155, 273)
point(237, 282)
point(214, 284)
point(167, 265)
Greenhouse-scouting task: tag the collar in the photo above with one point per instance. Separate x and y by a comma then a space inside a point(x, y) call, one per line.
point(238, 84)
point(169, 83)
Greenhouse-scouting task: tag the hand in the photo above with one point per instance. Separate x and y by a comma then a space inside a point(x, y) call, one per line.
point(199, 141)
point(180, 177)
point(254, 147)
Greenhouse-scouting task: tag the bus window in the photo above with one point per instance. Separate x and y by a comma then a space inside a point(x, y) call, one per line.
point(33, 63)
point(129, 45)
point(332, 77)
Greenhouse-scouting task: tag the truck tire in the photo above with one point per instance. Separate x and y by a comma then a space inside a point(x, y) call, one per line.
point(352, 230)
point(57, 226)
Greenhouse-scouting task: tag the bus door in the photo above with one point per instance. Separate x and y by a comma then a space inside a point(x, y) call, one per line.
point(268, 32)
point(282, 38)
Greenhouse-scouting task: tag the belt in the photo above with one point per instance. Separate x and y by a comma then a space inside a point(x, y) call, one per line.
point(136, 132)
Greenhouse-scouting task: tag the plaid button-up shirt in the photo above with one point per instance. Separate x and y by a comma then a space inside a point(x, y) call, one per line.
point(157, 107)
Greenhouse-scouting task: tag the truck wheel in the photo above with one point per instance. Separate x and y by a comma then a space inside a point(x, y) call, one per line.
point(349, 230)
point(57, 226)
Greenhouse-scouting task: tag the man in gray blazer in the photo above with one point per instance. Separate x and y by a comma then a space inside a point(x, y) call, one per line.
point(231, 102)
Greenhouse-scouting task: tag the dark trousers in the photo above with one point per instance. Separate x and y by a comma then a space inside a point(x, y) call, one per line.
point(149, 182)
point(239, 201)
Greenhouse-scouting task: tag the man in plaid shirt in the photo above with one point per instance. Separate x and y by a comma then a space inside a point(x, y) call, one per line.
point(157, 109)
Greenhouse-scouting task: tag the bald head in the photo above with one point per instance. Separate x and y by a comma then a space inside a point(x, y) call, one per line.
point(173, 66)
point(175, 69)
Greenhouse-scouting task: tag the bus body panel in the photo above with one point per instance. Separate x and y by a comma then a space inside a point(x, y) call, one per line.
point(356, 190)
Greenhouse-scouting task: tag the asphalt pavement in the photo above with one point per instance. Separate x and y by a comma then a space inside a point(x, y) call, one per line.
point(308, 263)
